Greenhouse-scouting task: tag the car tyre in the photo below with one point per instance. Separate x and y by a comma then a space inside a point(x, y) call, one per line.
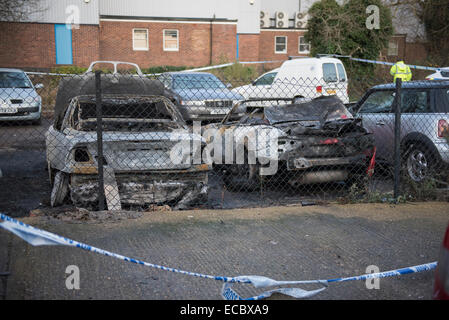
point(242, 177)
point(419, 163)
point(37, 122)
point(60, 189)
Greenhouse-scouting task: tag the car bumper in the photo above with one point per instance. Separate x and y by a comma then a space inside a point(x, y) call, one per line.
point(201, 113)
point(179, 188)
point(22, 114)
point(443, 149)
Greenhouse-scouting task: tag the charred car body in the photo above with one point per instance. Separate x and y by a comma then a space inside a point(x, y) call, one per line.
point(303, 143)
point(137, 138)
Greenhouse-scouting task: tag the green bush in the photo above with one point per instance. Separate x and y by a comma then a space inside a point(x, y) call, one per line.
point(236, 74)
point(341, 29)
point(69, 70)
point(162, 69)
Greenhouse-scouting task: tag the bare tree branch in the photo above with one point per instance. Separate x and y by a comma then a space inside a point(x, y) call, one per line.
point(19, 10)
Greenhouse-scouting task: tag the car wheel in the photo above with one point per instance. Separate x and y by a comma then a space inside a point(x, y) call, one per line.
point(419, 163)
point(60, 189)
point(242, 177)
point(37, 122)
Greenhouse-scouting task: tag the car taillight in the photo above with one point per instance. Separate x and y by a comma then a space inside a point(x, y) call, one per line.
point(329, 141)
point(443, 128)
point(319, 89)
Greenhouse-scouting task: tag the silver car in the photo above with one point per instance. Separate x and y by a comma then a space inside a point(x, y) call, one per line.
point(424, 125)
point(19, 100)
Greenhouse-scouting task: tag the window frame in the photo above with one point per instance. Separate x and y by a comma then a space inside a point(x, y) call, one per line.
point(177, 40)
point(304, 44)
point(275, 45)
point(368, 95)
point(265, 76)
point(396, 48)
point(148, 41)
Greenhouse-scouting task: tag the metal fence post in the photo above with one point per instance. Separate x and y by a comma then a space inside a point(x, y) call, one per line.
point(397, 138)
point(99, 141)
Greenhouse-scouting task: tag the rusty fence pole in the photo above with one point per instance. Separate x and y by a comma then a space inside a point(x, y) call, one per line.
point(397, 138)
point(99, 140)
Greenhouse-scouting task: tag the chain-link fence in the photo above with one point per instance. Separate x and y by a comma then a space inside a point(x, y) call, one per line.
point(180, 140)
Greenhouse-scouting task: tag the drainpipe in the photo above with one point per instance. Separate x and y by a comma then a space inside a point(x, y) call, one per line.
point(210, 32)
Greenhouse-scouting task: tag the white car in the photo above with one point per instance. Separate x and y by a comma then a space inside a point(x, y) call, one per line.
point(442, 74)
point(300, 78)
point(19, 100)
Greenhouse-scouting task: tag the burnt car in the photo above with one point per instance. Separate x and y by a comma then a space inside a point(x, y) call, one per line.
point(111, 83)
point(138, 135)
point(318, 141)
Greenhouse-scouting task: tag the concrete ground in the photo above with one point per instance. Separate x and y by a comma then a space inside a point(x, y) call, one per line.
point(284, 243)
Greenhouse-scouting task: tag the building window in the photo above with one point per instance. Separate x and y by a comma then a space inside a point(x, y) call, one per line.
point(140, 39)
point(303, 46)
point(393, 48)
point(280, 44)
point(171, 40)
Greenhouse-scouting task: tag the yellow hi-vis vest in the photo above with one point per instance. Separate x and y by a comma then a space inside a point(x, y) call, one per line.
point(401, 70)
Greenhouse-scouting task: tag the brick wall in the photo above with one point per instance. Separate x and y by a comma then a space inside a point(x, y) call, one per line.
point(85, 45)
point(249, 47)
point(267, 45)
point(32, 45)
point(224, 43)
point(27, 45)
point(194, 43)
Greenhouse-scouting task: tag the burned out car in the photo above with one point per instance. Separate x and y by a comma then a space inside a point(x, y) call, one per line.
point(317, 141)
point(137, 139)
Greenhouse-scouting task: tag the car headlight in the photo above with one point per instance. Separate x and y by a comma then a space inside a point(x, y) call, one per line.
point(33, 100)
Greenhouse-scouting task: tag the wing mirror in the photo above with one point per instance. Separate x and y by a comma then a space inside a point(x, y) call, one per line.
point(39, 86)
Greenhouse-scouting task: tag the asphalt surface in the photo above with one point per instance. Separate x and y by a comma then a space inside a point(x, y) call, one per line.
point(283, 243)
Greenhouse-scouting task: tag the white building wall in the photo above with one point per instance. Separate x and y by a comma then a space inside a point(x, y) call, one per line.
point(63, 11)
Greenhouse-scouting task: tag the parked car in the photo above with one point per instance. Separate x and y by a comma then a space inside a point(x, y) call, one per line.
point(137, 140)
point(441, 285)
point(202, 96)
point(19, 100)
point(442, 74)
point(311, 142)
point(300, 78)
point(424, 124)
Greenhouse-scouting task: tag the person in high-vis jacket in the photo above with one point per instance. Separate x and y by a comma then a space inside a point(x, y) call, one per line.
point(401, 70)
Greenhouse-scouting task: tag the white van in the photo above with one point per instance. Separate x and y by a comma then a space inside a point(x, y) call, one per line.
point(301, 78)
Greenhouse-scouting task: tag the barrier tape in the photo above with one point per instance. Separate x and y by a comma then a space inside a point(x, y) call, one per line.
point(379, 62)
point(38, 237)
point(156, 74)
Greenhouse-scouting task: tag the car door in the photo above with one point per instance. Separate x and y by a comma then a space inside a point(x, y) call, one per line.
point(378, 119)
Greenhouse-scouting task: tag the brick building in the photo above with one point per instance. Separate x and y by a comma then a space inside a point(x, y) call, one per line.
point(151, 33)
point(155, 33)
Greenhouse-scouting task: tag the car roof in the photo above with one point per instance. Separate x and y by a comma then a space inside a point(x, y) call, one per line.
point(10, 70)
point(417, 84)
point(312, 60)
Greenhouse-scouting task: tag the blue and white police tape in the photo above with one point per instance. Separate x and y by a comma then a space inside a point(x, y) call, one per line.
point(378, 62)
point(38, 237)
point(156, 74)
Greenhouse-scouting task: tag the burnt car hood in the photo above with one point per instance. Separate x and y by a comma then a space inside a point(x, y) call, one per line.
point(325, 115)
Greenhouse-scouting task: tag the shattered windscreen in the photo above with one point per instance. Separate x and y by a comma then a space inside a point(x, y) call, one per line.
point(321, 109)
point(124, 114)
